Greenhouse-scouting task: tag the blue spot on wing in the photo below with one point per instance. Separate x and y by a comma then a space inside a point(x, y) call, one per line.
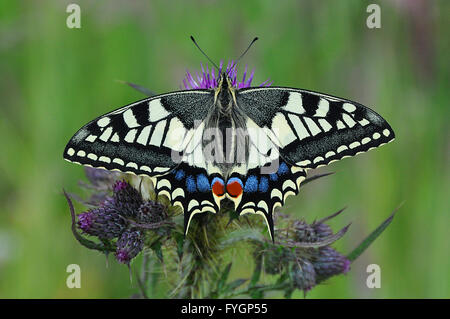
point(283, 169)
point(190, 184)
point(263, 184)
point(179, 175)
point(273, 177)
point(251, 185)
point(203, 183)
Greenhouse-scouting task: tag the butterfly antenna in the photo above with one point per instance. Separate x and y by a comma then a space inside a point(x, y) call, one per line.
point(195, 42)
point(246, 50)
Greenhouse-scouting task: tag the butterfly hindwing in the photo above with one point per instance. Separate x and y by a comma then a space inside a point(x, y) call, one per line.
point(264, 192)
point(189, 187)
point(312, 129)
point(143, 137)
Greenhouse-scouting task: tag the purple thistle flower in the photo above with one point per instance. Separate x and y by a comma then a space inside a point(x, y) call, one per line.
point(120, 185)
point(329, 263)
point(85, 221)
point(151, 212)
point(311, 233)
point(304, 275)
point(307, 257)
point(102, 222)
point(129, 246)
point(208, 79)
point(127, 199)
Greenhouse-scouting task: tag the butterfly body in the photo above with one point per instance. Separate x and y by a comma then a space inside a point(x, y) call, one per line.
point(252, 146)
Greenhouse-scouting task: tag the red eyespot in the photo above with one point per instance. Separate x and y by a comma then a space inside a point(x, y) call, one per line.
point(218, 187)
point(234, 187)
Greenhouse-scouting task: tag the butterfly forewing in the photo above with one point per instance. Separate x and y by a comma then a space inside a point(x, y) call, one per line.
point(143, 137)
point(312, 129)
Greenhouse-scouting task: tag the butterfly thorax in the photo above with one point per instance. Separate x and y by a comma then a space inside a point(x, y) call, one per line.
point(225, 95)
point(224, 137)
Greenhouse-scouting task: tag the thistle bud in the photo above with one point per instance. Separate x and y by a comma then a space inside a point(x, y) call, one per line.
point(303, 275)
point(328, 262)
point(322, 230)
point(311, 233)
point(151, 212)
point(102, 222)
point(274, 259)
point(129, 246)
point(127, 199)
point(304, 232)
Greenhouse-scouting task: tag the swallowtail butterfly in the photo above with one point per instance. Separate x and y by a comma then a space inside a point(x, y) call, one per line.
point(252, 146)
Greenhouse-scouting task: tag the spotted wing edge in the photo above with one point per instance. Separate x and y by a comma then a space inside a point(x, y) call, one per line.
point(318, 117)
point(72, 153)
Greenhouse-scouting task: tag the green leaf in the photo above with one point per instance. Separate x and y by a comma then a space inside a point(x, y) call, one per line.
point(256, 272)
point(369, 239)
point(233, 216)
point(157, 248)
point(257, 294)
point(288, 292)
point(179, 239)
point(224, 277)
point(241, 235)
point(235, 284)
point(284, 276)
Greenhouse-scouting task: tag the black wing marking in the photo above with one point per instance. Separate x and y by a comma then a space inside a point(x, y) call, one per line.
point(313, 129)
point(263, 193)
point(190, 188)
point(141, 137)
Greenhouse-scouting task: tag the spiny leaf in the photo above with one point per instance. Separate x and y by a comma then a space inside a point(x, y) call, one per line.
point(369, 239)
point(83, 241)
point(323, 220)
point(323, 242)
point(139, 88)
point(179, 238)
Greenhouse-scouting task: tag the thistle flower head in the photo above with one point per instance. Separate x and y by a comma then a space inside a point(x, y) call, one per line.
point(102, 222)
point(127, 199)
point(129, 246)
point(310, 232)
point(303, 275)
point(328, 262)
point(305, 254)
point(208, 79)
point(151, 212)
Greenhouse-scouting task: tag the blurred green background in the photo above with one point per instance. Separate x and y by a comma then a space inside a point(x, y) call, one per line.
point(55, 79)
